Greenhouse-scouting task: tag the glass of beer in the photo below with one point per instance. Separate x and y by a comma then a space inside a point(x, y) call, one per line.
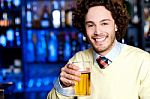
point(82, 88)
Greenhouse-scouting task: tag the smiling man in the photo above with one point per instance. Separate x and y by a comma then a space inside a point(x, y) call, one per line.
point(119, 71)
point(100, 29)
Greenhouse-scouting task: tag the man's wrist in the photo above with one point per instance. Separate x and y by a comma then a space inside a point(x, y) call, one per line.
point(60, 88)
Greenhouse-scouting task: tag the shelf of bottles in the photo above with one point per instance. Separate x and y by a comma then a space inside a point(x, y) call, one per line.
point(50, 34)
point(51, 40)
point(10, 42)
point(147, 24)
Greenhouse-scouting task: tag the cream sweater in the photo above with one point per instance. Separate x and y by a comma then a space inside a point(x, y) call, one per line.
point(127, 77)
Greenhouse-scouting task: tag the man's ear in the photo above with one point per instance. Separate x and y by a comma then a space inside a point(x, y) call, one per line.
point(116, 28)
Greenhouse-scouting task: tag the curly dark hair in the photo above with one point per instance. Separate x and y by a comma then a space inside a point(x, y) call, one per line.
point(118, 11)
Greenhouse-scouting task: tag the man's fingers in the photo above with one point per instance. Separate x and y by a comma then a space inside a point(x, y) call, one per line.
point(70, 69)
point(69, 76)
point(67, 82)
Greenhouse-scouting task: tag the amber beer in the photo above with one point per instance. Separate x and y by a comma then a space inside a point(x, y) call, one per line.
point(82, 87)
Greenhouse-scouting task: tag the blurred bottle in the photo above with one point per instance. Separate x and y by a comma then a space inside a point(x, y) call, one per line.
point(3, 40)
point(29, 15)
point(17, 21)
point(52, 47)
point(61, 39)
point(30, 53)
point(10, 37)
point(41, 52)
point(17, 37)
point(135, 18)
point(9, 4)
point(67, 48)
point(69, 14)
point(63, 20)
point(36, 16)
point(73, 43)
point(45, 18)
point(17, 66)
point(56, 15)
point(16, 3)
point(2, 4)
point(5, 21)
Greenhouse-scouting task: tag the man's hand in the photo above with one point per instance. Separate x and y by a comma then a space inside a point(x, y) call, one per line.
point(69, 75)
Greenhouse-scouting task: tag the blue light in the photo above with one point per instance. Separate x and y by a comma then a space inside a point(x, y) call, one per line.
point(38, 83)
point(18, 41)
point(52, 47)
point(30, 83)
point(16, 2)
point(19, 85)
point(10, 35)
point(67, 48)
point(3, 40)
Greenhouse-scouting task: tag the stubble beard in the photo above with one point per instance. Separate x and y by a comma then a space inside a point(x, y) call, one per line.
point(102, 49)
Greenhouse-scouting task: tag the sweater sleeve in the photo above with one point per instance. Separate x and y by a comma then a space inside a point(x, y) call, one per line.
point(144, 92)
point(53, 94)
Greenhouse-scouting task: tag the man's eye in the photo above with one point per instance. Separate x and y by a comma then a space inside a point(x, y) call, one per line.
point(91, 25)
point(104, 23)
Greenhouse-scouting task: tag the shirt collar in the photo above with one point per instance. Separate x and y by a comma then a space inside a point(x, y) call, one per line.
point(114, 52)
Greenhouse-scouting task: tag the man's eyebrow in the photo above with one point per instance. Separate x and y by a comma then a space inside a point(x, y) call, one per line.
point(105, 20)
point(100, 21)
point(89, 22)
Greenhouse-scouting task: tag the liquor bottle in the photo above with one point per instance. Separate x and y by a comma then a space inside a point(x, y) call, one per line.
point(61, 42)
point(73, 43)
point(16, 3)
point(45, 18)
point(17, 21)
point(67, 48)
point(5, 21)
point(63, 22)
point(135, 18)
point(3, 40)
point(30, 53)
point(29, 15)
point(9, 4)
point(17, 37)
point(56, 15)
point(52, 47)
point(69, 14)
point(36, 16)
point(2, 4)
point(10, 37)
point(41, 47)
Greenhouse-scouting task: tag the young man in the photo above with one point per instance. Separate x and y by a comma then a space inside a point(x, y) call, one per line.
point(127, 76)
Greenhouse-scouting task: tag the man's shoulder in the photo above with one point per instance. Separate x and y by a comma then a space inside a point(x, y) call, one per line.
point(86, 51)
point(135, 50)
point(83, 55)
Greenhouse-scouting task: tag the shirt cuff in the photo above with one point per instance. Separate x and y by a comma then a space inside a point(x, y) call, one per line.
point(67, 91)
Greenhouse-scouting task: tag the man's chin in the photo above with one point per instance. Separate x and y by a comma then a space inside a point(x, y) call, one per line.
point(99, 49)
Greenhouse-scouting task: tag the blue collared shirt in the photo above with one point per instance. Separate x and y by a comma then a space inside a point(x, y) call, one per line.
point(114, 52)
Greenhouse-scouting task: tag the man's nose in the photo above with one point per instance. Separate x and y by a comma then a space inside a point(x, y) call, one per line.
point(98, 30)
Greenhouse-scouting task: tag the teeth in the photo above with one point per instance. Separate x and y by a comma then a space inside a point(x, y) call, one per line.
point(100, 39)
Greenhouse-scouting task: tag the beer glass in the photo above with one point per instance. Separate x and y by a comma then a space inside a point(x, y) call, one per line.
point(82, 88)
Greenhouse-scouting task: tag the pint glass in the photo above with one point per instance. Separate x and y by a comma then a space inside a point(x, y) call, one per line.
point(82, 88)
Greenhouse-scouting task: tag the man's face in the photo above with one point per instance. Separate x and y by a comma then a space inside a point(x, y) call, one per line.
point(100, 29)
